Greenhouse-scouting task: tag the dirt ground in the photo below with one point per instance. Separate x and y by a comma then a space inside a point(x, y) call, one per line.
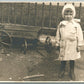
point(32, 66)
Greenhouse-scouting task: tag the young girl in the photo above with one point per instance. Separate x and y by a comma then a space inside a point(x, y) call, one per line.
point(69, 38)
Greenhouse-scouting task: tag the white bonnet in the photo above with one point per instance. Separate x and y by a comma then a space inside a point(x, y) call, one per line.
point(69, 6)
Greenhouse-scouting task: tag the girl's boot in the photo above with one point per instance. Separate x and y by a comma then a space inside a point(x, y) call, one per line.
point(72, 75)
point(62, 69)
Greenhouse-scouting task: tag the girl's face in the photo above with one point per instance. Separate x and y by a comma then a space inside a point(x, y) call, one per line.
point(68, 14)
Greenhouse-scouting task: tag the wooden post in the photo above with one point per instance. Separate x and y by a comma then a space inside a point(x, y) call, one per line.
point(80, 11)
point(9, 13)
point(15, 13)
point(28, 17)
point(50, 15)
point(42, 14)
point(57, 13)
point(2, 12)
point(35, 14)
point(21, 13)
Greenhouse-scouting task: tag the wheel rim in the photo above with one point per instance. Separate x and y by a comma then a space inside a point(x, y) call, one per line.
point(5, 38)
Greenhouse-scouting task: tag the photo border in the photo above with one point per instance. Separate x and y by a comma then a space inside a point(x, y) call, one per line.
point(41, 82)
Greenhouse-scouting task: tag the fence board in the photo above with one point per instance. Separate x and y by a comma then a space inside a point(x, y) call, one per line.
point(57, 12)
point(80, 11)
point(50, 15)
point(15, 13)
point(35, 14)
point(8, 13)
point(2, 13)
point(28, 16)
point(22, 13)
point(42, 14)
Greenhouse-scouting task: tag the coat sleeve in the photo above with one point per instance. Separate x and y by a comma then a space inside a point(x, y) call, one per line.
point(58, 36)
point(80, 35)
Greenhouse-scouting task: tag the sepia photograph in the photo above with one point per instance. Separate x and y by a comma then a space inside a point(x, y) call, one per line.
point(42, 41)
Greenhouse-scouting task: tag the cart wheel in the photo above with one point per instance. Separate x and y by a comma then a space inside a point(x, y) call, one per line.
point(5, 38)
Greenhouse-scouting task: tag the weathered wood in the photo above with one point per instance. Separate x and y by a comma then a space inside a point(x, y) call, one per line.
point(15, 13)
point(42, 14)
point(22, 13)
point(2, 13)
point(8, 13)
point(50, 15)
point(35, 14)
point(21, 31)
point(33, 76)
point(13, 10)
point(57, 14)
point(80, 11)
point(28, 16)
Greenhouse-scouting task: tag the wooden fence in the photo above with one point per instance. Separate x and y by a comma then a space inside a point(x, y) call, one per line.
point(34, 14)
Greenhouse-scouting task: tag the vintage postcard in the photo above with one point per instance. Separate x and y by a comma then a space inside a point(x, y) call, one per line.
point(41, 41)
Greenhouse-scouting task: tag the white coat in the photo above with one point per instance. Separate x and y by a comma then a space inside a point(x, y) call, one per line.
point(69, 36)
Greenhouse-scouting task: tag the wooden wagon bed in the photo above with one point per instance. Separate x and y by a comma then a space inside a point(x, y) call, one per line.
point(21, 31)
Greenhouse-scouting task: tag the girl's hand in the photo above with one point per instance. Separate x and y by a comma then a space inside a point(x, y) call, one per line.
point(78, 49)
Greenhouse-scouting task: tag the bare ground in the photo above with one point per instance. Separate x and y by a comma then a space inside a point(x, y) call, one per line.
point(16, 66)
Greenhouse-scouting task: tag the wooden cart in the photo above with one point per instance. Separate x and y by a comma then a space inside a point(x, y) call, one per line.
point(10, 31)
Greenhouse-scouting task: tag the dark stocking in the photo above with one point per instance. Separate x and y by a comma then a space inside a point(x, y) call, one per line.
point(72, 75)
point(62, 69)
